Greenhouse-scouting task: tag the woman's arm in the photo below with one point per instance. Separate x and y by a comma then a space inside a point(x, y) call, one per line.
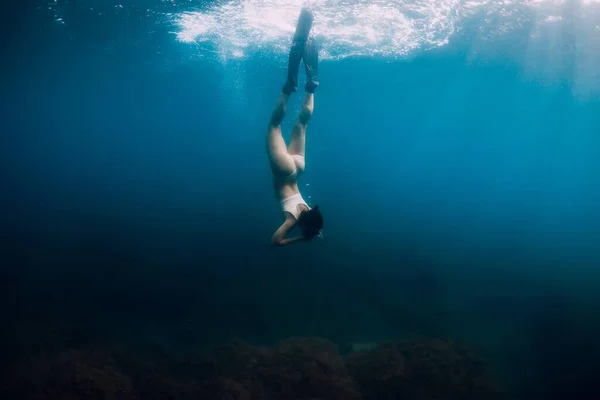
point(279, 238)
point(290, 240)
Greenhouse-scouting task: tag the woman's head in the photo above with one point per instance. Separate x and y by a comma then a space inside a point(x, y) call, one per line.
point(310, 222)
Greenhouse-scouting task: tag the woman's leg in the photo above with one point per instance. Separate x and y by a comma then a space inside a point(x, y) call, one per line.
point(298, 142)
point(282, 163)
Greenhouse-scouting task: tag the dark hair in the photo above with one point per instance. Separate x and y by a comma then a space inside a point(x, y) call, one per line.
point(311, 222)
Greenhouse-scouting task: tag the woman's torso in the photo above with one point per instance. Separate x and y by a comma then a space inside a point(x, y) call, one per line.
point(285, 188)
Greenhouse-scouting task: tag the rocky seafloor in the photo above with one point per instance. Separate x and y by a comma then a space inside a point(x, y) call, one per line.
point(296, 368)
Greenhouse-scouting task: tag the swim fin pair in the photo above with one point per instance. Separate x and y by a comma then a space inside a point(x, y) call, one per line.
point(305, 48)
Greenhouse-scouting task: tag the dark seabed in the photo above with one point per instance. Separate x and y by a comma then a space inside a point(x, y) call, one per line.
point(456, 165)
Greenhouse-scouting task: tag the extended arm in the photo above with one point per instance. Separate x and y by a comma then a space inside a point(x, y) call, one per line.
point(279, 238)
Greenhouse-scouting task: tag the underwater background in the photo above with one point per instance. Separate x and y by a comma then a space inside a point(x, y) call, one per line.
point(453, 152)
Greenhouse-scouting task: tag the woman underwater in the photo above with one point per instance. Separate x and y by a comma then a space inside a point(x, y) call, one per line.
point(287, 162)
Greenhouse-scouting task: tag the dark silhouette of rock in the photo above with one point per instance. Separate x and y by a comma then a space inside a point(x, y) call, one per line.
point(297, 368)
point(294, 369)
point(72, 375)
point(420, 369)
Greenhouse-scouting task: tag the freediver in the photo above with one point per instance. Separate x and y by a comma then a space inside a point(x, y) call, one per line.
point(287, 162)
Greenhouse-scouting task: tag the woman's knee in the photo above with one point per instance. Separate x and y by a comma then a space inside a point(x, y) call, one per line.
point(277, 115)
point(305, 115)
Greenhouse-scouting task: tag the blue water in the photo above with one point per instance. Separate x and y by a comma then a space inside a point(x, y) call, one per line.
point(459, 184)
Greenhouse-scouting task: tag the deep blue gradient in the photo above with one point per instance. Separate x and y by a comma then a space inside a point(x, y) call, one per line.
point(460, 199)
